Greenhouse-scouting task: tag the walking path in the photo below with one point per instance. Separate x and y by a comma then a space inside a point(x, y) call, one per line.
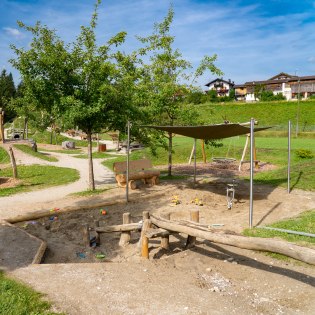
point(16, 204)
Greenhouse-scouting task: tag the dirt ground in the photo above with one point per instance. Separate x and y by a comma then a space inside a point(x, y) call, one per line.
point(207, 279)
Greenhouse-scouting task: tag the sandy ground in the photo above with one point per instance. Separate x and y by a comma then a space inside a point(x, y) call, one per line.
point(207, 279)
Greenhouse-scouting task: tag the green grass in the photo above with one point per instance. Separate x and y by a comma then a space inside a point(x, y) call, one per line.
point(39, 177)
point(88, 193)
point(267, 113)
point(19, 299)
point(28, 150)
point(4, 156)
point(302, 176)
point(303, 223)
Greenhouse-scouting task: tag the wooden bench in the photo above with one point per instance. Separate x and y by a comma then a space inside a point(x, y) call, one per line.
point(138, 169)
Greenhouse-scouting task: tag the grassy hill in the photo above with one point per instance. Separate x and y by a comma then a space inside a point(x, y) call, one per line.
point(274, 114)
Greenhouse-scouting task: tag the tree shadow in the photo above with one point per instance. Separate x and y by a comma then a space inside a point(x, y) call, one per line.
point(268, 213)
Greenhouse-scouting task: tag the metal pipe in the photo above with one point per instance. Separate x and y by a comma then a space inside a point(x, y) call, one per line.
point(252, 122)
point(286, 231)
point(127, 172)
point(289, 154)
point(195, 163)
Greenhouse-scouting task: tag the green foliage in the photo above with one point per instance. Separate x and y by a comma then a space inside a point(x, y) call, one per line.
point(39, 177)
point(266, 96)
point(27, 149)
point(196, 97)
point(96, 155)
point(7, 92)
point(304, 154)
point(4, 156)
point(17, 298)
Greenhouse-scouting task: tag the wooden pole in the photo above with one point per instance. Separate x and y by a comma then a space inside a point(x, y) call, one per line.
point(1, 125)
point(125, 236)
point(244, 153)
point(191, 154)
point(13, 163)
point(191, 240)
point(145, 240)
point(145, 216)
point(86, 235)
point(165, 239)
point(204, 156)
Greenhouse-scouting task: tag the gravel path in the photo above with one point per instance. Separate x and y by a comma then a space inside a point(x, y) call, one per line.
point(14, 204)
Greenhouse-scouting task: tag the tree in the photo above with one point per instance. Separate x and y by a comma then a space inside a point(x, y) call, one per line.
point(81, 82)
point(165, 75)
point(7, 92)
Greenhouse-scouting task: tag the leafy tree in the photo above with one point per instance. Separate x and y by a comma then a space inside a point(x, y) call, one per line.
point(212, 96)
point(7, 92)
point(81, 83)
point(164, 76)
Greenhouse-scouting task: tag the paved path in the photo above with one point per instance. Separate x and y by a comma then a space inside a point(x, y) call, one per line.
point(16, 203)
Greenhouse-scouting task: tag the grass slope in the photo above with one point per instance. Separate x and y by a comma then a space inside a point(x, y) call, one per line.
point(4, 156)
point(16, 298)
point(39, 177)
point(267, 113)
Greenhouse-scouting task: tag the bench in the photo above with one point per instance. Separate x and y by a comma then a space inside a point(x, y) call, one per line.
point(138, 169)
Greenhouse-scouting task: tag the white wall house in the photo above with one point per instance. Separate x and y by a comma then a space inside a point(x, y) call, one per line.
point(221, 86)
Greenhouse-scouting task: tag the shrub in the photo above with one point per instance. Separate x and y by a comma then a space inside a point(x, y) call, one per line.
point(304, 154)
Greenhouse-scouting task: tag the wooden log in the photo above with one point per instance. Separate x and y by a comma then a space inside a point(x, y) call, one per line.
point(40, 253)
point(98, 236)
point(254, 243)
point(13, 163)
point(165, 239)
point(145, 216)
point(191, 240)
point(118, 228)
point(153, 233)
point(86, 235)
point(125, 236)
point(132, 184)
point(145, 239)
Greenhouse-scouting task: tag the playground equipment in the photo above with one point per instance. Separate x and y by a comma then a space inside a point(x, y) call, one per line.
point(153, 226)
point(230, 194)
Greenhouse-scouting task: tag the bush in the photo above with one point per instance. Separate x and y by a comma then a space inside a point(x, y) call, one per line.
point(304, 154)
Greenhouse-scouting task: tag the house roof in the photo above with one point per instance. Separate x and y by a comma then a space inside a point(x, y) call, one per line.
point(282, 76)
point(208, 132)
point(220, 80)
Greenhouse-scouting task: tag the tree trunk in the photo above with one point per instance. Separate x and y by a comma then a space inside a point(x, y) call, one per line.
point(26, 127)
point(90, 159)
point(51, 134)
point(254, 243)
point(170, 147)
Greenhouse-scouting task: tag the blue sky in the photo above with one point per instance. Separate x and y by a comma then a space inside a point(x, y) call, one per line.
point(254, 40)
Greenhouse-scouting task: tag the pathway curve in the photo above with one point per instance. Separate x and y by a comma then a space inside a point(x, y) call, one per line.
point(15, 203)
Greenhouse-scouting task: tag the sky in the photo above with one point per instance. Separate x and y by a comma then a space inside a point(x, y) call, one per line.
point(254, 40)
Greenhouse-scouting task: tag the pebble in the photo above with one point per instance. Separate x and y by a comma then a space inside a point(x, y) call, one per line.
point(208, 269)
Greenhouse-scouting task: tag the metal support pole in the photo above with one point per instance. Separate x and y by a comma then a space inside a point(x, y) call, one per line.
point(298, 110)
point(127, 172)
point(252, 122)
point(195, 162)
point(289, 154)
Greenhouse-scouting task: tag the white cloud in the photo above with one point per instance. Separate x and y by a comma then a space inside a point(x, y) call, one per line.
point(13, 32)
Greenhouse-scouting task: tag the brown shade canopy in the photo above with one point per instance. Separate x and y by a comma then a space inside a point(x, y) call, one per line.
point(209, 132)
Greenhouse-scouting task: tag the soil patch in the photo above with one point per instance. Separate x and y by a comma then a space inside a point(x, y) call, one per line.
point(8, 182)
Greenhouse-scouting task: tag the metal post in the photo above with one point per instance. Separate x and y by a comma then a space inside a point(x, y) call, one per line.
point(252, 122)
point(289, 154)
point(195, 142)
point(127, 172)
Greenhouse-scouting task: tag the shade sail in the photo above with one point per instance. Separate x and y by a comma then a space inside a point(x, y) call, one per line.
point(209, 132)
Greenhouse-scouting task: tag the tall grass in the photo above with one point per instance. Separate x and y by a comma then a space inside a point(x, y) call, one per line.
point(4, 156)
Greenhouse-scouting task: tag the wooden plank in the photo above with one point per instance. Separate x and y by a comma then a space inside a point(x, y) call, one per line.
point(121, 167)
point(153, 233)
point(125, 236)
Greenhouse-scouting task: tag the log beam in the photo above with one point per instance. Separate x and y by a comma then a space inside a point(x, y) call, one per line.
point(254, 243)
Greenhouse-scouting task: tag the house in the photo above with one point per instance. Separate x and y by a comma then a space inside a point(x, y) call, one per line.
point(289, 85)
point(221, 86)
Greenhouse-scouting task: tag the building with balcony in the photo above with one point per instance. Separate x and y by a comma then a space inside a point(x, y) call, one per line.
point(221, 86)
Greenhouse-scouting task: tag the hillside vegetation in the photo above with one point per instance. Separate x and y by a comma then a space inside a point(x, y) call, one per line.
point(276, 114)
